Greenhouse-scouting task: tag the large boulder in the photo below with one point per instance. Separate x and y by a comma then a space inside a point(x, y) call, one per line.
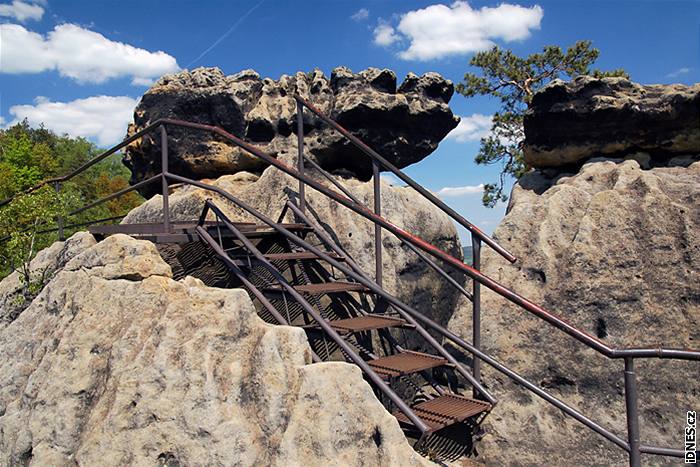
point(570, 122)
point(404, 124)
point(116, 363)
point(615, 250)
point(14, 296)
point(405, 275)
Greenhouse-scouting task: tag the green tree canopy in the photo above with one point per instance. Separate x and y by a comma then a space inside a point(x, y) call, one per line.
point(29, 156)
point(514, 80)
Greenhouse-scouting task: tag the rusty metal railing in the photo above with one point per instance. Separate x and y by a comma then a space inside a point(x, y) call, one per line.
point(476, 259)
point(379, 163)
point(632, 445)
point(327, 328)
point(630, 384)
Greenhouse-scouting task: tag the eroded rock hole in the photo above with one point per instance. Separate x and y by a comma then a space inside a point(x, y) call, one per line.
point(168, 459)
point(260, 131)
point(537, 274)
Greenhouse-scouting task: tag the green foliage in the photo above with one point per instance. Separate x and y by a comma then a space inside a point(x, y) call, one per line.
point(29, 156)
point(23, 222)
point(514, 80)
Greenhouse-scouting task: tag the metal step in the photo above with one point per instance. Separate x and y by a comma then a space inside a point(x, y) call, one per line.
point(367, 323)
point(300, 255)
point(405, 363)
point(323, 288)
point(444, 411)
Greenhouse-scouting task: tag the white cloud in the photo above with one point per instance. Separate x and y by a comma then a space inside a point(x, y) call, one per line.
point(461, 190)
point(143, 81)
point(385, 35)
point(679, 72)
point(471, 128)
point(360, 15)
point(102, 119)
point(439, 31)
point(21, 11)
point(78, 53)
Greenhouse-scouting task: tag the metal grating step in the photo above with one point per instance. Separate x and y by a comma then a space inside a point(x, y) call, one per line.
point(405, 363)
point(299, 255)
point(324, 288)
point(366, 323)
point(445, 410)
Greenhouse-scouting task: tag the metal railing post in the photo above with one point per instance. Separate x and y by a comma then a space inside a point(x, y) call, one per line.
point(300, 146)
point(59, 219)
point(377, 228)
point(164, 173)
point(476, 308)
point(632, 413)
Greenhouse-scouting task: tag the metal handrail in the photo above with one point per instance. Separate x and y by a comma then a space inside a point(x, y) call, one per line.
point(327, 328)
point(412, 313)
point(422, 256)
point(633, 446)
point(376, 157)
point(88, 164)
point(528, 305)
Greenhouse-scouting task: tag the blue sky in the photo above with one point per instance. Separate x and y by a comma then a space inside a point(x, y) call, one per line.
point(80, 66)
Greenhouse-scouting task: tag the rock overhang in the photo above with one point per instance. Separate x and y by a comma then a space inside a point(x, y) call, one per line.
point(403, 122)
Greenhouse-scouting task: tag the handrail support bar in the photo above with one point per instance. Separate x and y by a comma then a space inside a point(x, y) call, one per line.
point(165, 169)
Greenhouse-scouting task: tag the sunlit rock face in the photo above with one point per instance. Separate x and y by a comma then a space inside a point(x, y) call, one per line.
point(116, 363)
point(612, 245)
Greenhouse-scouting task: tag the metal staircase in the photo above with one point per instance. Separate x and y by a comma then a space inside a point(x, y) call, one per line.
point(427, 390)
point(299, 276)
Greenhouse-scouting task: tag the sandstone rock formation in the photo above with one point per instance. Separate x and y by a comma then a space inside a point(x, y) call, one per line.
point(405, 275)
point(116, 363)
point(570, 122)
point(42, 268)
point(404, 124)
point(614, 248)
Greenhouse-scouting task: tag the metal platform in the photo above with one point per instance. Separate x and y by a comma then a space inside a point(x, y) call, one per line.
point(185, 232)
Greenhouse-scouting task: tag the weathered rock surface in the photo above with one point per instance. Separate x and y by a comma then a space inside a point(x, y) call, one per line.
point(405, 275)
point(12, 299)
point(115, 363)
point(404, 124)
point(570, 122)
point(615, 250)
